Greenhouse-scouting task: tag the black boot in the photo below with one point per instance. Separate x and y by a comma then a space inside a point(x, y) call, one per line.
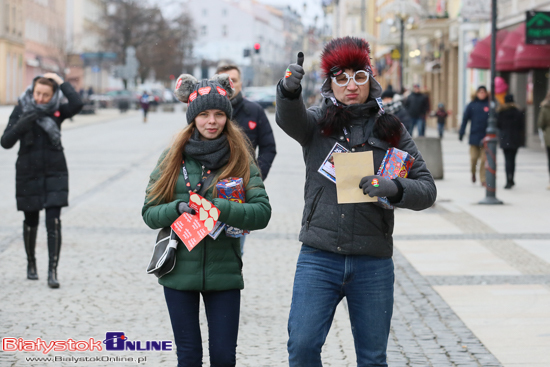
point(54, 247)
point(29, 238)
point(509, 182)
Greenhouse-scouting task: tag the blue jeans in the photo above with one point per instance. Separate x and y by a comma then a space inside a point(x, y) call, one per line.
point(322, 279)
point(222, 313)
point(421, 126)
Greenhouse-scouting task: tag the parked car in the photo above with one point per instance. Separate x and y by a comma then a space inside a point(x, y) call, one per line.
point(264, 96)
point(116, 99)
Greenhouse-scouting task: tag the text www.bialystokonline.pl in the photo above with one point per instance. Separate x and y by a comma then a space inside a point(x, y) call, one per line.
point(102, 359)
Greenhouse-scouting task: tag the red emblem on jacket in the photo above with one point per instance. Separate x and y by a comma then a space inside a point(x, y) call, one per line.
point(486, 109)
point(57, 113)
point(252, 125)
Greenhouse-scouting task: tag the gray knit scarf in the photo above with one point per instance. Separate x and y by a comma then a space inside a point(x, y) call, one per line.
point(212, 154)
point(45, 122)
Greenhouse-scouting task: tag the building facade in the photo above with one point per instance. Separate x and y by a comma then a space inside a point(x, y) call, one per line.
point(12, 50)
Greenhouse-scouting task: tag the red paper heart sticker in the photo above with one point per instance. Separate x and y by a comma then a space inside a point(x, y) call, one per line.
point(252, 125)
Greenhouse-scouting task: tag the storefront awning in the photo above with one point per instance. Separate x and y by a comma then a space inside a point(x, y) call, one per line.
point(480, 57)
point(531, 56)
point(507, 50)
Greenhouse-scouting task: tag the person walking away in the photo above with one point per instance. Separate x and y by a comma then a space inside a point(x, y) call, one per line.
point(477, 112)
point(392, 104)
point(253, 121)
point(41, 174)
point(441, 115)
point(346, 248)
point(209, 149)
point(144, 101)
point(511, 125)
point(544, 125)
point(417, 105)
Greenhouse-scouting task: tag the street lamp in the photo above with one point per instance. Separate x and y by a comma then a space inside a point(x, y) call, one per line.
point(491, 138)
point(402, 10)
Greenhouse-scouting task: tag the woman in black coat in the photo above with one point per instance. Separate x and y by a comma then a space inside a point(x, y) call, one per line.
point(511, 124)
point(42, 178)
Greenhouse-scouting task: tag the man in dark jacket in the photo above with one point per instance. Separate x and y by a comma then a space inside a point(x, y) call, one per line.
point(346, 248)
point(417, 105)
point(253, 121)
point(477, 111)
point(395, 107)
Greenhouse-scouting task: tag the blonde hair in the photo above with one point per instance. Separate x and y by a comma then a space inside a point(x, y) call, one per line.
point(238, 166)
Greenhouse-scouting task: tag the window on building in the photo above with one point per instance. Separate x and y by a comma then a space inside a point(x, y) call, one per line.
point(203, 30)
point(7, 17)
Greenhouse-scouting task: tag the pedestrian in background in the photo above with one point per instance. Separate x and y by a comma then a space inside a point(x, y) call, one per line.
point(144, 101)
point(544, 125)
point(209, 149)
point(511, 125)
point(346, 248)
point(392, 104)
point(477, 112)
point(417, 105)
point(441, 116)
point(253, 121)
point(41, 177)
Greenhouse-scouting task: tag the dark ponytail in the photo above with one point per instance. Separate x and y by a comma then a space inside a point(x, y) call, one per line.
point(388, 128)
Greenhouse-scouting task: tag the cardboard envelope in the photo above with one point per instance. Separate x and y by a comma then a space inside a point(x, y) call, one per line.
point(350, 169)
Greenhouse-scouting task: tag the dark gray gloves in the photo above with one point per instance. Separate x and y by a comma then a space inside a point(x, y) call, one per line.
point(183, 207)
point(294, 74)
point(26, 121)
point(378, 186)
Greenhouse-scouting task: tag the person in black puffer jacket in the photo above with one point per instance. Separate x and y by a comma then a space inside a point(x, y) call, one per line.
point(511, 125)
point(42, 178)
point(252, 120)
point(346, 248)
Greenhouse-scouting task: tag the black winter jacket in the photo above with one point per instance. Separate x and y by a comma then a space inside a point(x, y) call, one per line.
point(41, 178)
point(417, 105)
point(348, 229)
point(511, 125)
point(478, 112)
point(253, 121)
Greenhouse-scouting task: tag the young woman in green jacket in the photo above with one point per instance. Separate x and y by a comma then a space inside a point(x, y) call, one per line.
point(209, 149)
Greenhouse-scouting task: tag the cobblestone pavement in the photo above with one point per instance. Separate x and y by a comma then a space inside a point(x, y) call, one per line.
point(106, 247)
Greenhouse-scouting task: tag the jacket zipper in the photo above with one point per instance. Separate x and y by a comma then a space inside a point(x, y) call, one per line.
point(314, 206)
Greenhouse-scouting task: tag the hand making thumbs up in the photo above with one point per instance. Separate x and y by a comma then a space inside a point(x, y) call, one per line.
point(294, 74)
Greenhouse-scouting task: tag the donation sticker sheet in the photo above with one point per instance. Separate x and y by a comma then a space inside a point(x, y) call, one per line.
point(191, 229)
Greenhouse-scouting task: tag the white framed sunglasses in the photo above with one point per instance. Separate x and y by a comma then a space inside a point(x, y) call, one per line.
point(360, 77)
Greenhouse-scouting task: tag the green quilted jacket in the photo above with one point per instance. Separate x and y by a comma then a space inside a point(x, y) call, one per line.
point(213, 265)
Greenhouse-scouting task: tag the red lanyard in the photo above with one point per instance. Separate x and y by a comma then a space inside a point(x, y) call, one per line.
point(201, 182)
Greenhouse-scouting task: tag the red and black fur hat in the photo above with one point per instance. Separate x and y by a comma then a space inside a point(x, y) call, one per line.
point(346, 53)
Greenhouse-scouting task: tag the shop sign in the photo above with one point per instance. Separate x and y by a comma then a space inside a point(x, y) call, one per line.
point(537, 28)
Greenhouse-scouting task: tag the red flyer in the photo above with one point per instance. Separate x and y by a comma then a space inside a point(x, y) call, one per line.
point(191, 229)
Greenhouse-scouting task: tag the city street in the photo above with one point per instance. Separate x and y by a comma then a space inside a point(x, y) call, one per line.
point(472, 282)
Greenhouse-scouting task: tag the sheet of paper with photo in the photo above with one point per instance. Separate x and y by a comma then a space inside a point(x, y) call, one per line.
point(350, 168)
point(327, 168)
